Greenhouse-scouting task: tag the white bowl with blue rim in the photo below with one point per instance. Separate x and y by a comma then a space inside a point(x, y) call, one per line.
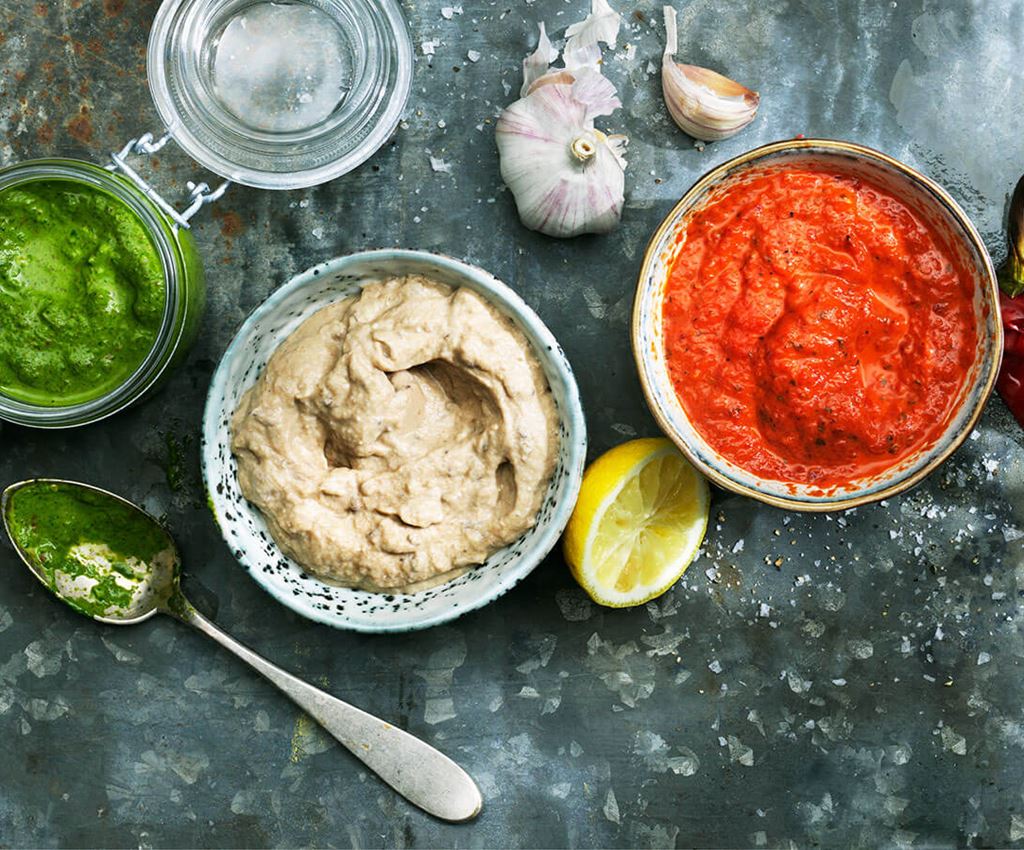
point(243, 526)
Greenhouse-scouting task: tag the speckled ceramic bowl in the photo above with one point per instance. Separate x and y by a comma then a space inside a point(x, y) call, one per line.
point(242, 525)
point(922, 195)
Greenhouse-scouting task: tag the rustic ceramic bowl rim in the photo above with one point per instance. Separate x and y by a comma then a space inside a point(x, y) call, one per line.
point(572, 420)
point(860, 152)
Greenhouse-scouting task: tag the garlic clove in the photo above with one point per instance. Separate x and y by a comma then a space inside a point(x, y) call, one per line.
point(567, 177)
point(704, 103)
point(536, 64)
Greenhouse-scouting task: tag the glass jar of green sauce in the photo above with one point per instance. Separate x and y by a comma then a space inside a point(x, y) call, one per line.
point(101, 293)
point(101, 289)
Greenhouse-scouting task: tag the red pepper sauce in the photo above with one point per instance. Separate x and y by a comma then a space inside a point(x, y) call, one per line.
point(816, 330)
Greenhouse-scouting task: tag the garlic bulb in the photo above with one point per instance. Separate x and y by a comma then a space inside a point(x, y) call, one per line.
point(567, 177)
point(703, 103)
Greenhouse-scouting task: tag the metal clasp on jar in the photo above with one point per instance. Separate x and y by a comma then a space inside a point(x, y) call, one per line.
point(200, 194)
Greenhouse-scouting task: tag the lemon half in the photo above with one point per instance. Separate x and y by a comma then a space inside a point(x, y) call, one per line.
point(639, 522)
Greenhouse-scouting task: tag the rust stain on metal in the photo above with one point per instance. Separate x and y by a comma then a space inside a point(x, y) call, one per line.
point(80, 127)
point(230, 223)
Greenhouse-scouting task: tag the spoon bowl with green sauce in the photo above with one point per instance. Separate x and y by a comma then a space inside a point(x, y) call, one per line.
point(109, 560)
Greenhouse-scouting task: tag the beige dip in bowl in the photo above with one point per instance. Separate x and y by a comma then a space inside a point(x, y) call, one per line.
point(398, 437)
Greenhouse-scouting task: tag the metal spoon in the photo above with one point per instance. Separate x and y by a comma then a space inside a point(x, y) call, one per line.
point(417, 771)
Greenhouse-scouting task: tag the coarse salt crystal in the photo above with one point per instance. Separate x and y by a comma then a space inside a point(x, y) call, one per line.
point(440, 166)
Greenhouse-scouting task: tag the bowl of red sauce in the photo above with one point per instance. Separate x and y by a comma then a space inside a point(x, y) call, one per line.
point(816, 325)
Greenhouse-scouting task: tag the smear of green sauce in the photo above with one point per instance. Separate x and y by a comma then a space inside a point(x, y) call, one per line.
point(82, 293)
point(49, 520)
point(176, 461)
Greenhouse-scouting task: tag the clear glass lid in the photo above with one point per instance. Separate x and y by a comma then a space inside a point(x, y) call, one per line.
point(280, 94)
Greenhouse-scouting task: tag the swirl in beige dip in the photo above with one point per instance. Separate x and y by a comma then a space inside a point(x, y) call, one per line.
point(398, 437)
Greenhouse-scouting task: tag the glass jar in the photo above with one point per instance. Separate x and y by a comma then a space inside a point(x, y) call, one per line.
point(184, 288)
point(276, 94)
point(280, 94)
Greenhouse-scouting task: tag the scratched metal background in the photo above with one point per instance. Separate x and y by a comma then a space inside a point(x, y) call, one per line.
point(876, 700)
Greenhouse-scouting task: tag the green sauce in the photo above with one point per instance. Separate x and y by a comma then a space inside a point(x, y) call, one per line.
point(82, 293)
point(98, 554)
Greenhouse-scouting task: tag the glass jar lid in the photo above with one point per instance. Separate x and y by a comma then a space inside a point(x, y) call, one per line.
point(280, 94)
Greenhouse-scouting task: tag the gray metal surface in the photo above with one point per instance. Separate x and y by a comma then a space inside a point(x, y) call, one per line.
point(846, 680)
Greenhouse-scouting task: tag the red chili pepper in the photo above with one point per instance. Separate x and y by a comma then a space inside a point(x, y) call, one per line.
point(1011, 305)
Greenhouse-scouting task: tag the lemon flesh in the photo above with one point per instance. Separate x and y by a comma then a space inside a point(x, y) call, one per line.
point(638, 524)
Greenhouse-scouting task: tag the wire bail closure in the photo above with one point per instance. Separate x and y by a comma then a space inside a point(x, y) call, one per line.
point(200, 194)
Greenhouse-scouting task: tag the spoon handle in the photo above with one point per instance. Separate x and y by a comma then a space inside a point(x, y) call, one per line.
point(417, 771)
